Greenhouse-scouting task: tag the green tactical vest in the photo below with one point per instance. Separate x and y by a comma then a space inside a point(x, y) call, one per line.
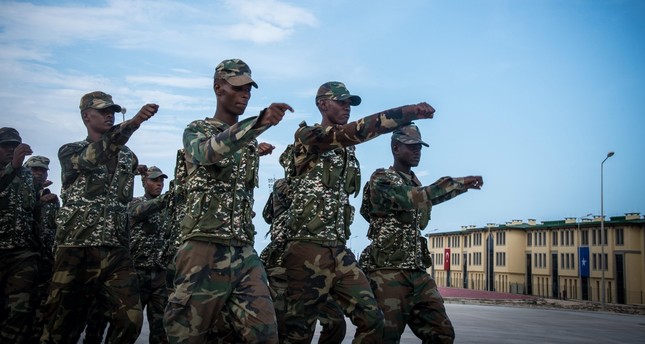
point(320, 210)
point(94, 211)
point(220, 196)
point(17, 203)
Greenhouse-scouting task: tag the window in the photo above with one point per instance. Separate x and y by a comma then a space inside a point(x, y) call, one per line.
point(554, 238)
point(604, 237)
point(593, 237)
point(584, 236)
point(594, 263)
point(604, 262)
point(529, 241)
point(620, 236)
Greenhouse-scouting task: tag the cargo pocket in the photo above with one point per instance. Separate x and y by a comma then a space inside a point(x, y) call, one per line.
point(176, 308)
point(66, 220)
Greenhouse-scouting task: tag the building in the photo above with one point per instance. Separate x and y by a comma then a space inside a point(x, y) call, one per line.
point(552, 259)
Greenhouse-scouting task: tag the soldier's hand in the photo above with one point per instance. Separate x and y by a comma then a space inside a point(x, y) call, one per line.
point(146, 112)
point(274, 113)
point(50, 197)
point(265, 148)
point(421, 110)
point(474, 182)
point(19, 154)
point(142, 169)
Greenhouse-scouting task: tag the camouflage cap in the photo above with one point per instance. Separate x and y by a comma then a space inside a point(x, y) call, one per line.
point(37, 161)
point(336, 90)
point(98, 100)
point(235, 71)
point(408, 134)
point(8, 135)
point(154, 172)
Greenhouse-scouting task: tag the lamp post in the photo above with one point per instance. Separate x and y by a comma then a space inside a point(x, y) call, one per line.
point(602, 234)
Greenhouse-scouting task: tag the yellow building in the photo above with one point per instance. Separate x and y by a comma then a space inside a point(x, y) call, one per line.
point(552, 259)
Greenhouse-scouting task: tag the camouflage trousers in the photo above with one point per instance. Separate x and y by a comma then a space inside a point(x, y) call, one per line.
point(83, 275)
point(18, 278)
point(409, 297)
point(331, 317)
point(315, 273)
point(220, 291)
point(154, 297)
point(97, 321)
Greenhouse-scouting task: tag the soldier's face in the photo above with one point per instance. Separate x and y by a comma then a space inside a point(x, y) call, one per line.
point(408, 154)
point(99, 120)
point(154, 186)
point(233, 99)
point(338, 111)
point(6, 152)
point(40, 175)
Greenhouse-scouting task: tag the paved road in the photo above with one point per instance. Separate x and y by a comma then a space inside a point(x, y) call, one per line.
point(504, 324)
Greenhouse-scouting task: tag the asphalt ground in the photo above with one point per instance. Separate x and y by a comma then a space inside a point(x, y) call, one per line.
point(490, 317)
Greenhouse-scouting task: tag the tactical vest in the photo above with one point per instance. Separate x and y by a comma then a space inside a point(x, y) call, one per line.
point(94, 211)
point(17, 203)
point(147, 241)
point(220, 196)
point(396, 240)
point(320, 211)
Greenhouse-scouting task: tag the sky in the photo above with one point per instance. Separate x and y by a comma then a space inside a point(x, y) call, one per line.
point(531, 95)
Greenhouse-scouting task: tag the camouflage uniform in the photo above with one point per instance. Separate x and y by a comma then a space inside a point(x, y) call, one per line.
point(19, 247)
point(317, 260)
point(173, 214)
point(398, 207)
point(48, 210)
point(92, 261)
point(147, 243)
point(217, 268)
point(331, 317)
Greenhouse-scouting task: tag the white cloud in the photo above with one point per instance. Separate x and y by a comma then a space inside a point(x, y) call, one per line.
point(267, 21)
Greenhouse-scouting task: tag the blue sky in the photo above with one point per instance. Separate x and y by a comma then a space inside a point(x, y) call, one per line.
point(530, 94)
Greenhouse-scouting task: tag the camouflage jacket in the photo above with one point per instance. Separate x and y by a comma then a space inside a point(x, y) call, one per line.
point(397, 208)
point(18, 229)
point(275, 213)
point(146, 222)
point(98, 180)
point(326, 172)
point(176, 209)
point(49, 211)
point(222, 163)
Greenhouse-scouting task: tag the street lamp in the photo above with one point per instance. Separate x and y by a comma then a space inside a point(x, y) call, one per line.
point(602, 234)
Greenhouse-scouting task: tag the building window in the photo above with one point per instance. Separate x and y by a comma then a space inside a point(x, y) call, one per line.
point(572, 238)
point(604, 237)
point(620, 236)
point(604, 261)
point(554, 238)
point(584, 236)
point(529, 241)
point(594, 263)
point(593, 237)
